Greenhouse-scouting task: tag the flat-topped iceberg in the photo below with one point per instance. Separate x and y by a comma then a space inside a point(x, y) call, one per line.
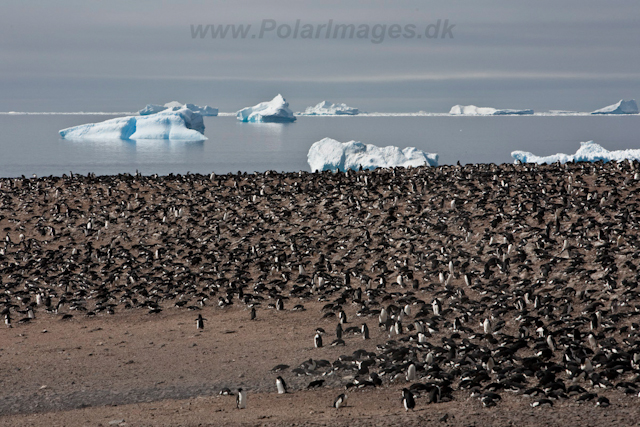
point(588, 152)
point(327, 109)
point(620, 107)
point(329, 154)
point(175, 106)
point(182, 124)
point(277, 110)
point(472, 110)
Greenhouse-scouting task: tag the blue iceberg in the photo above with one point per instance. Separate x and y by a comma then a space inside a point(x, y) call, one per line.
point(620, 107)
point(182, 124)
point(274, 111)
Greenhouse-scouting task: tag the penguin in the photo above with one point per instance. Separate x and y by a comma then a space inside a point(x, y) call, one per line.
point(407, 399)
point(382, 320)
point(486, 326)
point(253, 313)
point(436, 305)
point(200, 322)
point(342, 316)
point(241, 399)
point(339, 331)
point(411, 373)
point(365, 331)
point(340, 401)
point(7, 320)
point(279, 304)
point(281, 385)
point(317, 340)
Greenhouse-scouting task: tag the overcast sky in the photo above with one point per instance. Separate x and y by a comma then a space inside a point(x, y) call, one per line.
point(69, 55)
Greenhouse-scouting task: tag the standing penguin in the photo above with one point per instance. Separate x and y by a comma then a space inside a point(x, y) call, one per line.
point(7, 320)
point(241, 399)
point(407, 399)
point(317, 340)
point(340, 401)
point(339, 331)
point(253, 313)
point(436, 305)
point(279, 304)
point(200, 322)
point(281, 385)
point(342, 316)
point(365, 331)
point(411, 373)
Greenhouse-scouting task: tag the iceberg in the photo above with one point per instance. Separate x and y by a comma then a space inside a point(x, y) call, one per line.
point(151, 109)
point(182, 124)
point(277, 110)
point(472, 110)
point(175, 106)
point(329, 154)
point(620, 107)
point(326, 109)
point(203, 111)
point(588, 152)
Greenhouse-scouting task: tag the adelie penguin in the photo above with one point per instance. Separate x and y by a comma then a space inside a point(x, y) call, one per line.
point(200, 322)
point(279, 304)
point(365, 331)
point(317, 340)
point(253, 313)
point(281, 385)
point(241, 399)
point(339, 331)
point(340, 401)
point(407, 399)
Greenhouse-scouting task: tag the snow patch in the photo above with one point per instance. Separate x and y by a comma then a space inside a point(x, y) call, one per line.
point(182, 124)
point(329, 154)
point(277, 110)
point(588, 152)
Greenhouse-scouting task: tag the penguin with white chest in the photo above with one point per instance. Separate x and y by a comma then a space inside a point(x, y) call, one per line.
point(281, 385)
point(200, 322)
point(407, 399)
point(317, 340)
point(340, 401)
point(241, 399)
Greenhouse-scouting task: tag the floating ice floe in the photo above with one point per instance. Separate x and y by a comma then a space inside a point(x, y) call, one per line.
point(277, 110)
point(620, 107)
point(472, 110)
point(182, 124)
point(175, 106)
point(327, 109)
point(588, 152)
point(329, 154)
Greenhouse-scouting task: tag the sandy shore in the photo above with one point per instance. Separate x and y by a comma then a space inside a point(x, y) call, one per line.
point(116, 269)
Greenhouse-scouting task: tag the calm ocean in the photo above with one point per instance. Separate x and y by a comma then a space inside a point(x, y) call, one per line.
point(30, 144)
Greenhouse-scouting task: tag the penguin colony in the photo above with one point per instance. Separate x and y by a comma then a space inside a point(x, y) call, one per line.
point(486, 278)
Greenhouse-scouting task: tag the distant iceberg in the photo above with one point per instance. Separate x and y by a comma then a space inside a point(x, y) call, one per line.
point(277, 110)
point(182, 124)
point(620, 107)
point(327, 109)
point(175, 105)
point(472, 110)
point(329, 154)
point(588, 152)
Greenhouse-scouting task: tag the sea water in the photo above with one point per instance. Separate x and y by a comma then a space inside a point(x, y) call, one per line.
point(30, 144)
